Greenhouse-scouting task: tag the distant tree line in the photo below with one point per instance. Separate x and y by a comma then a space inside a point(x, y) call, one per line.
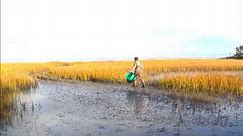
point(238, 53)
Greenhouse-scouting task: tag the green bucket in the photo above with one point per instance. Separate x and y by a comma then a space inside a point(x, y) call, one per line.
point(130, 77)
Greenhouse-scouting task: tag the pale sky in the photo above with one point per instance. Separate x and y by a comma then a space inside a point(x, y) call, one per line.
point(73, 30)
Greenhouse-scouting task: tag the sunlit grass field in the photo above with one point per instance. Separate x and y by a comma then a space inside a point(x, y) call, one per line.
point(210, 75)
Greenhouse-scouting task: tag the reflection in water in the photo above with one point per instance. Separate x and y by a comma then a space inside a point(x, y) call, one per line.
point(14, 105)
point(136, 99)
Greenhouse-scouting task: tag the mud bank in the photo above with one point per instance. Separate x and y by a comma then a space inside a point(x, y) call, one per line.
point(91, 109)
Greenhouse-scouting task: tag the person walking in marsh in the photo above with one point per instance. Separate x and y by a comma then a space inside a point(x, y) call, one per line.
point(137, 70)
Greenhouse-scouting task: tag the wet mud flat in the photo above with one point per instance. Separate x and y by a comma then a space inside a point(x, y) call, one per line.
point(58, 108)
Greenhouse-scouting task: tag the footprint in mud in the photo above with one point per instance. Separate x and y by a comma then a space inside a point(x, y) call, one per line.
point(161, 129)
point(61, 115)
point(49, 130)
point(119, 129)
point(122, 124)
point(101, 127)
point(76, 129)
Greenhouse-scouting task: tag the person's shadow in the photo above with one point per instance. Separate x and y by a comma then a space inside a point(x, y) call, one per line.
point(135, 99)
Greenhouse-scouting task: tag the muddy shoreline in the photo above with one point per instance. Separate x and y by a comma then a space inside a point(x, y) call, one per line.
point(58, 108)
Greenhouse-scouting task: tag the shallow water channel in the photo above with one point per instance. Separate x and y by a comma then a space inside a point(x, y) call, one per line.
point(91, 109)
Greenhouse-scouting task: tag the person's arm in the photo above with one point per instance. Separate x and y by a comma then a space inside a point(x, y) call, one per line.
point(141, 66)
point(134, 67)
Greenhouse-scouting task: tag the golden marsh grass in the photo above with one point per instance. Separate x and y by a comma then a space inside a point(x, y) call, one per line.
point(209, 83)
point(21, 75)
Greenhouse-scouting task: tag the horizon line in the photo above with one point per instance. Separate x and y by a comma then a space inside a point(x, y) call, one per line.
point(114, 59)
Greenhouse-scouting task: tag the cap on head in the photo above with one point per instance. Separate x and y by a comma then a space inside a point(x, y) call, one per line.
point(135, 58)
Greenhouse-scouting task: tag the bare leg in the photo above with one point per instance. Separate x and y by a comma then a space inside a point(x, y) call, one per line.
point(135, 83)
point(142, 81)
